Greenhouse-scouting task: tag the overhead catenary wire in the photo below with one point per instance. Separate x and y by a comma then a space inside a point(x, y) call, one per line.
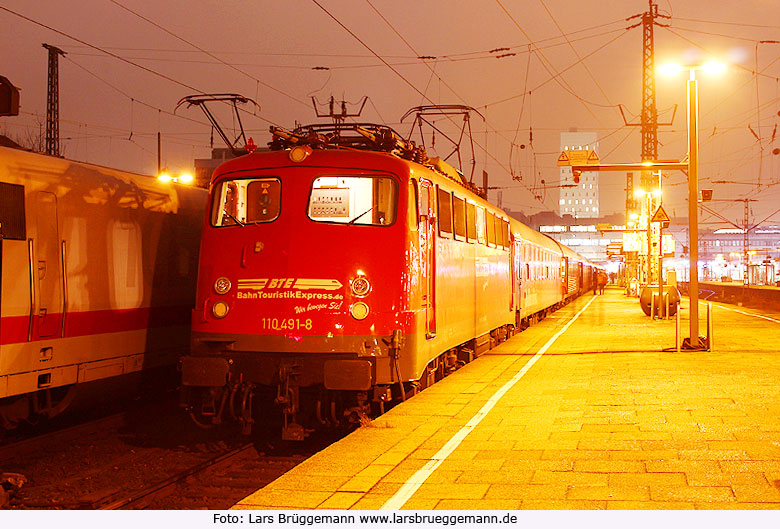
point(206, 52)
point(576, 53)
point(547, 64)
point(400, 75)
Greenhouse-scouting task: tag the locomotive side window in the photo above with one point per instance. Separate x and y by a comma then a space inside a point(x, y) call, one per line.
point(413, 211)
point(354, 200)
point(471, 222)
point(247, 201)
point(459, 217)
point(12, 219)
point(445, 212)
point(424, 201)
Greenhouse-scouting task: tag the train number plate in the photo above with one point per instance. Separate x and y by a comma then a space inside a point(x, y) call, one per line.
point(287, 324)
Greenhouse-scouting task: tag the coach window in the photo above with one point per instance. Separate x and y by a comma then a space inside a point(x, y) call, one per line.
point(413, 212)
point(500, 242)
point(364, 200)
point(471, 222)
point(12, 219)
point(445, 212)
point(246, 201)
point(490, 222)
point(459, 217)
point(481, 226)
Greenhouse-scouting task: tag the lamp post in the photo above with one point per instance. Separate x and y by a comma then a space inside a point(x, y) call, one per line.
point(693, 208)
point(693, 190)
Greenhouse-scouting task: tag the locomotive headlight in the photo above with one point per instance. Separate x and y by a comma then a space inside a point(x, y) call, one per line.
point(359, 310)
point(360, 286)
point(222, 285)
point(300, 153)
point(220, 309)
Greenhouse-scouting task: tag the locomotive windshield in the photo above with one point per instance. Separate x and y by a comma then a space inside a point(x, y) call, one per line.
point(354, 200)
point(248, 201)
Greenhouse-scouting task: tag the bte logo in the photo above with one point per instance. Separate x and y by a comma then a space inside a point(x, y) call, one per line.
point(289, 283)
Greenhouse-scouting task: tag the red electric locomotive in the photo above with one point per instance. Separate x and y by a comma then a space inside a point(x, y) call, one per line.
point(343, 270)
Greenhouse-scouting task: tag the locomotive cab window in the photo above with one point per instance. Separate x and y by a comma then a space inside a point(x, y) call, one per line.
point(246, 201)
point(354, 200)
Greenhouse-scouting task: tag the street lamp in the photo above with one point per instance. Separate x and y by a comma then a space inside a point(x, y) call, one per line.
point(713, 67)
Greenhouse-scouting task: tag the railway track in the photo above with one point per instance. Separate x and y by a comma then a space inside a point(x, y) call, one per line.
point(153, 459)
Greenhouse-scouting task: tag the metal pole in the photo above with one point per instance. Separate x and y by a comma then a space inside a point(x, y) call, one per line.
point(677, 328)
point(666, 307)
point(648, 207)
point(652, 305)
point(693, 204)
point(660, 263)
point(709, 326)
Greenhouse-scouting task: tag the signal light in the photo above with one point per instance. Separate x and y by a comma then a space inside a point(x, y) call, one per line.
point(576, 175)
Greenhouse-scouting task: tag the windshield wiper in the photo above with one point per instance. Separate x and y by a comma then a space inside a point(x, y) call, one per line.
point(356, 218)
point(225, 212)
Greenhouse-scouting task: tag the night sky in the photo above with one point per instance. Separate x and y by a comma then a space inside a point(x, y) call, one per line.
point(565, 65)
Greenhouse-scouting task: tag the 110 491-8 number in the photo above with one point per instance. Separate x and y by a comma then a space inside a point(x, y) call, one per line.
point(287, 324)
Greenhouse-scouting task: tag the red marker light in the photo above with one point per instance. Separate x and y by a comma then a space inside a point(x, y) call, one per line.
point(251, 146)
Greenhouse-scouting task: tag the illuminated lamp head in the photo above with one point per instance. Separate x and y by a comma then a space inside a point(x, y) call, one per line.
point(185, 178)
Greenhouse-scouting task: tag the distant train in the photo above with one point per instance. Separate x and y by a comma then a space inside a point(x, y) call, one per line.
point(338, 274)
point(98, 270)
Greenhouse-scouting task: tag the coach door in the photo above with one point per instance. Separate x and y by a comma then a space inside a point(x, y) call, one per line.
point(428, 255)
point(48, 315)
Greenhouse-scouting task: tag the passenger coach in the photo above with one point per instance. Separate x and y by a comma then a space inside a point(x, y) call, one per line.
point(97, 268)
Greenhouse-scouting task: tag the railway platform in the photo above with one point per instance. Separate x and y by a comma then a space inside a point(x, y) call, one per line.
point(590, 409)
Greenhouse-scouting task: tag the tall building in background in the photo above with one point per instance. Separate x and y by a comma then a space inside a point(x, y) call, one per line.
point(581, 201)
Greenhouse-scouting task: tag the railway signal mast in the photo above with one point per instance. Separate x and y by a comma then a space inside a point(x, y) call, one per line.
point(650, 180)
point(53, 102)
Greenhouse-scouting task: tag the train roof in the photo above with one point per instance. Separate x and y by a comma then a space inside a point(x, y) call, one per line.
point(17, 166)
point(380, 148)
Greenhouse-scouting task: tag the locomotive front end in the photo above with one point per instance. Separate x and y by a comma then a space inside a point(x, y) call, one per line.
point(299, 290)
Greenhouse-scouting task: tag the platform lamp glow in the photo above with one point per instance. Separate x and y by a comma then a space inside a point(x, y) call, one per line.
point(712, 67)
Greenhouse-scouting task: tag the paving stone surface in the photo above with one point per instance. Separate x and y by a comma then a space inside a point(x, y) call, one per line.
point(609, 417)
